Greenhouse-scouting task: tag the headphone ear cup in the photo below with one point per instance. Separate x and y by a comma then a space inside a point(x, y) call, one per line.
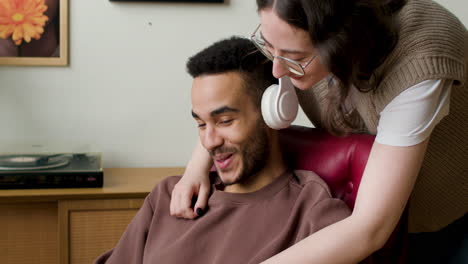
point(269, 112)
point(287, 107)
point(279, 112)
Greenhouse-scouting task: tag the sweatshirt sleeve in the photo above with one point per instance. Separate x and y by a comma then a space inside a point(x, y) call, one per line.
point(131, 245)
point(327, 212)
point(324, 212)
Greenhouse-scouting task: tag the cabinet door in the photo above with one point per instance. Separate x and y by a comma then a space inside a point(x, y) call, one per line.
point(88, 228)
point(28, 233)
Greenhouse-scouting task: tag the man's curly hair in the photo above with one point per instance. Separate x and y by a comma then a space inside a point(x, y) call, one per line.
point(235, 54)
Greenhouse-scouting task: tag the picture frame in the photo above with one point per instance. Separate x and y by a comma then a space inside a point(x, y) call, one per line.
point(46, 48)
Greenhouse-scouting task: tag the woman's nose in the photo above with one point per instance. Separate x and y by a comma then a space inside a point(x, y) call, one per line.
point(279, 69)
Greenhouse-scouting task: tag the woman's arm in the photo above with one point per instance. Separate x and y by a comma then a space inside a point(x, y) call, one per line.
point(385, 187)
point(195, 182)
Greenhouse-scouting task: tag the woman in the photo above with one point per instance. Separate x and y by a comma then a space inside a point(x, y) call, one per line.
point(389, 68)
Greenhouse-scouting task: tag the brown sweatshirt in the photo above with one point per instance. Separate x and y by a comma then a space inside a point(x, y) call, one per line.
point(236, 228)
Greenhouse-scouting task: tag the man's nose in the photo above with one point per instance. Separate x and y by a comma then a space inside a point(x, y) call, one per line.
point(279, 69)
point(212, 138)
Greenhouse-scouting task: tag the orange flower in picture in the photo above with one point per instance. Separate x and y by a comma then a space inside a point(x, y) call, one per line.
point(22, 19)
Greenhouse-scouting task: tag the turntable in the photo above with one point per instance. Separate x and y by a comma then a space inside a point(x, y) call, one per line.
point(68, 170)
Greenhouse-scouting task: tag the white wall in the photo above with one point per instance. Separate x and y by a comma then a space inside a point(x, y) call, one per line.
point(458, 7)
point(125, 92)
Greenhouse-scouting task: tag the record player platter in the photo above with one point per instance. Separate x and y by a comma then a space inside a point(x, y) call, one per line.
point(33, 162)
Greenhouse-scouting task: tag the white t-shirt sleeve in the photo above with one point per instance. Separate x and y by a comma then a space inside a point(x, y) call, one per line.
point(411, 116)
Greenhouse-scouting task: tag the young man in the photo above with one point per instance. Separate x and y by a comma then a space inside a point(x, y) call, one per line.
point(257, 207)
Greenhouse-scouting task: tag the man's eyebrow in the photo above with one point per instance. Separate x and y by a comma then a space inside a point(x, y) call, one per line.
point(221, 110)
point(283, 50)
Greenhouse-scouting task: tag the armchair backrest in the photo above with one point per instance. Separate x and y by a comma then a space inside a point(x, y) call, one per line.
point(340, 162)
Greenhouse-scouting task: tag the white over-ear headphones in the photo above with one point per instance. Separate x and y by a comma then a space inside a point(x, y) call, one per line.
point(280, 104)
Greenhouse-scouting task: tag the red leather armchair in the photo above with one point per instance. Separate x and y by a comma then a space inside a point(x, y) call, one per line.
point(340, 161)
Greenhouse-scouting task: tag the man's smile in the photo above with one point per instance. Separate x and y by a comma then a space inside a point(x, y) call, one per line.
point(223, 160)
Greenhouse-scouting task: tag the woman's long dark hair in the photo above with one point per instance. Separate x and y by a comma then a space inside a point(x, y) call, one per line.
point(353, 37)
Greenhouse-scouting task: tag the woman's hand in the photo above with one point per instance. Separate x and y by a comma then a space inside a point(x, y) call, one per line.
point(190, 187)
point(190, 194)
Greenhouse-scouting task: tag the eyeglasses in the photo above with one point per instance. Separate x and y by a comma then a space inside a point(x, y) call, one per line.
point(293, 66)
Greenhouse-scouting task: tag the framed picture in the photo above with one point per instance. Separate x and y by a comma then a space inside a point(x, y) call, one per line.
point(34, 32)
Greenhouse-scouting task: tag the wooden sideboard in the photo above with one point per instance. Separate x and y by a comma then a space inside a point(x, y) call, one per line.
point(48, 226)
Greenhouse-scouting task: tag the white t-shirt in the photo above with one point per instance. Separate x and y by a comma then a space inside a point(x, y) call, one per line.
point(411, 116)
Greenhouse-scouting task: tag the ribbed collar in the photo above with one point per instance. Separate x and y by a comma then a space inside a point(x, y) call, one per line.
point(265, 192)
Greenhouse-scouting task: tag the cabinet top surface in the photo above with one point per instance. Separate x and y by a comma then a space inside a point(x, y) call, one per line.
point(118, 183)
